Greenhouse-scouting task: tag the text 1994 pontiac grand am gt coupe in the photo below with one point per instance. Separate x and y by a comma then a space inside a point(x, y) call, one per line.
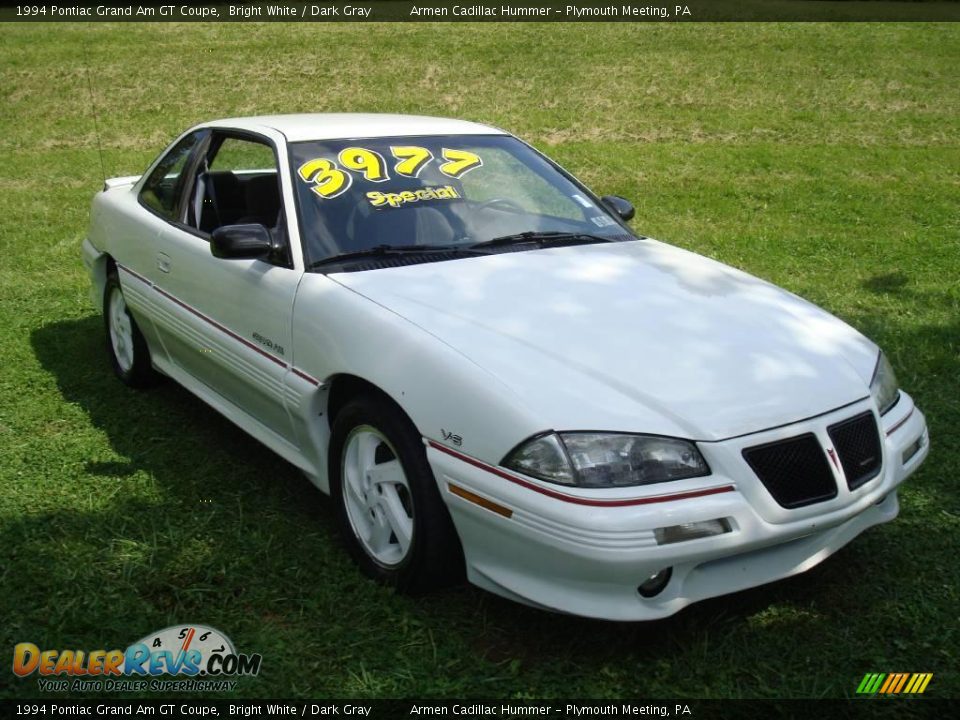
point(487, 369)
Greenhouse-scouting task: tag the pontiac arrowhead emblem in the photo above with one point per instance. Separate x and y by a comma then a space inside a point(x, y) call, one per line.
point(833, 458)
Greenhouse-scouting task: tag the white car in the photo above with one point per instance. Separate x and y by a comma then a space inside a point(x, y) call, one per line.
point(489, 371)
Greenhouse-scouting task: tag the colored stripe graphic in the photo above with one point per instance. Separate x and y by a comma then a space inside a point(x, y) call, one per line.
point(894, 683)
point(871, 683)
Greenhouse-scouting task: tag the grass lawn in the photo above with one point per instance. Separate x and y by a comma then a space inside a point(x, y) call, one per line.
point(822, 157)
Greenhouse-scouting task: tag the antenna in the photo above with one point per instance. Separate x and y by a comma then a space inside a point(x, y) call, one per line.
point(93, 109)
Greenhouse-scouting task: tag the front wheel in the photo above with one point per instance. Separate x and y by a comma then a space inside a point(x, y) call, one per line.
point(126, 346)
point(388, 507)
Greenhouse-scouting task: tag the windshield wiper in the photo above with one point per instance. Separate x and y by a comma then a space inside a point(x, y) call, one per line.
point(540, 237)
point(386, 250)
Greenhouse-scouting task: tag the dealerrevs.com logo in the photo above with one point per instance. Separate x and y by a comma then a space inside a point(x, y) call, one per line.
point(199, 657)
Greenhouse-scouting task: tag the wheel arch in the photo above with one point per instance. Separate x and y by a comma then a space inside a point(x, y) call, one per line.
point(100, 265)
point(344, 387)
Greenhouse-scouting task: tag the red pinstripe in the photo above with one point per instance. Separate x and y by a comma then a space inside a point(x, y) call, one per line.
point(900, 422)
point(227, 331)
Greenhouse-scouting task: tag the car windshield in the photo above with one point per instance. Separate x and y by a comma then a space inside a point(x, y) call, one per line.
point(369, 196)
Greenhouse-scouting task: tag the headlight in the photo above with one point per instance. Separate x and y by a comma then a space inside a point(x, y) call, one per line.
point(596, 460)
point(884, 387)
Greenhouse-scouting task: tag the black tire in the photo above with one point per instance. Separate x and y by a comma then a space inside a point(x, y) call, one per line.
point(136, 369)
point(433, 557)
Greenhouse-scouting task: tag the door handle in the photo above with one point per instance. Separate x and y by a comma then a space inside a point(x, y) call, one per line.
point(163, 262)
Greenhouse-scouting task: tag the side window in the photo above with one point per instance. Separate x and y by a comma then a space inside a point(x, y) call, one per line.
point(237, 155)
point(237, 185)
point(161, 191)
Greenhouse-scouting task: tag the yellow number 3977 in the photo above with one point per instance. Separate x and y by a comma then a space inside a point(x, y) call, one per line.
point(330, 181)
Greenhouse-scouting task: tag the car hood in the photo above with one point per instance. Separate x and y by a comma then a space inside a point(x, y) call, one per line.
point(634, 336)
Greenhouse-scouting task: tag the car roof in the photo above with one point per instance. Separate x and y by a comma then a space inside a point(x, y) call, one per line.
point(330, 126)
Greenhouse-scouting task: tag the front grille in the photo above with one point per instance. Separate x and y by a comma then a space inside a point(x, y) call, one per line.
point(857, 442)
point(794, 471)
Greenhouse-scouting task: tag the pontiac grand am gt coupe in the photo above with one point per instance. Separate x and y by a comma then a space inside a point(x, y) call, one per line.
point(485, 367)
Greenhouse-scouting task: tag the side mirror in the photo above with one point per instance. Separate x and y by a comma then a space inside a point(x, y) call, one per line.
point(621, 206)
point(241, 241)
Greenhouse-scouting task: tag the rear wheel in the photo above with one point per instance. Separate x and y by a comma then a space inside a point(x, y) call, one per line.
point(126, 346)
point(388, 507)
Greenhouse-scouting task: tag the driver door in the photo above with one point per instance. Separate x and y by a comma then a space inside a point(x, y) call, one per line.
point(230, 318)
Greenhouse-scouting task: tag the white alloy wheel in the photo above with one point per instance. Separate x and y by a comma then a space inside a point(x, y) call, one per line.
point(121, 330)
point(126, 347)
point(377, 496)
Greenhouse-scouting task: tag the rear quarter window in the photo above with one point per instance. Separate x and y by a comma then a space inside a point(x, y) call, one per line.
point(161, 192)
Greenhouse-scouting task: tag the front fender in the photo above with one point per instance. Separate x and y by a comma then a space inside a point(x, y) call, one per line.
point(336, 330)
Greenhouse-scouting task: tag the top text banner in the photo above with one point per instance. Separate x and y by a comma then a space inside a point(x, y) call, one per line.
point(522, 10)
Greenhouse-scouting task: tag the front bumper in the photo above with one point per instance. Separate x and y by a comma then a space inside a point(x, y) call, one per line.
point(586, 552)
